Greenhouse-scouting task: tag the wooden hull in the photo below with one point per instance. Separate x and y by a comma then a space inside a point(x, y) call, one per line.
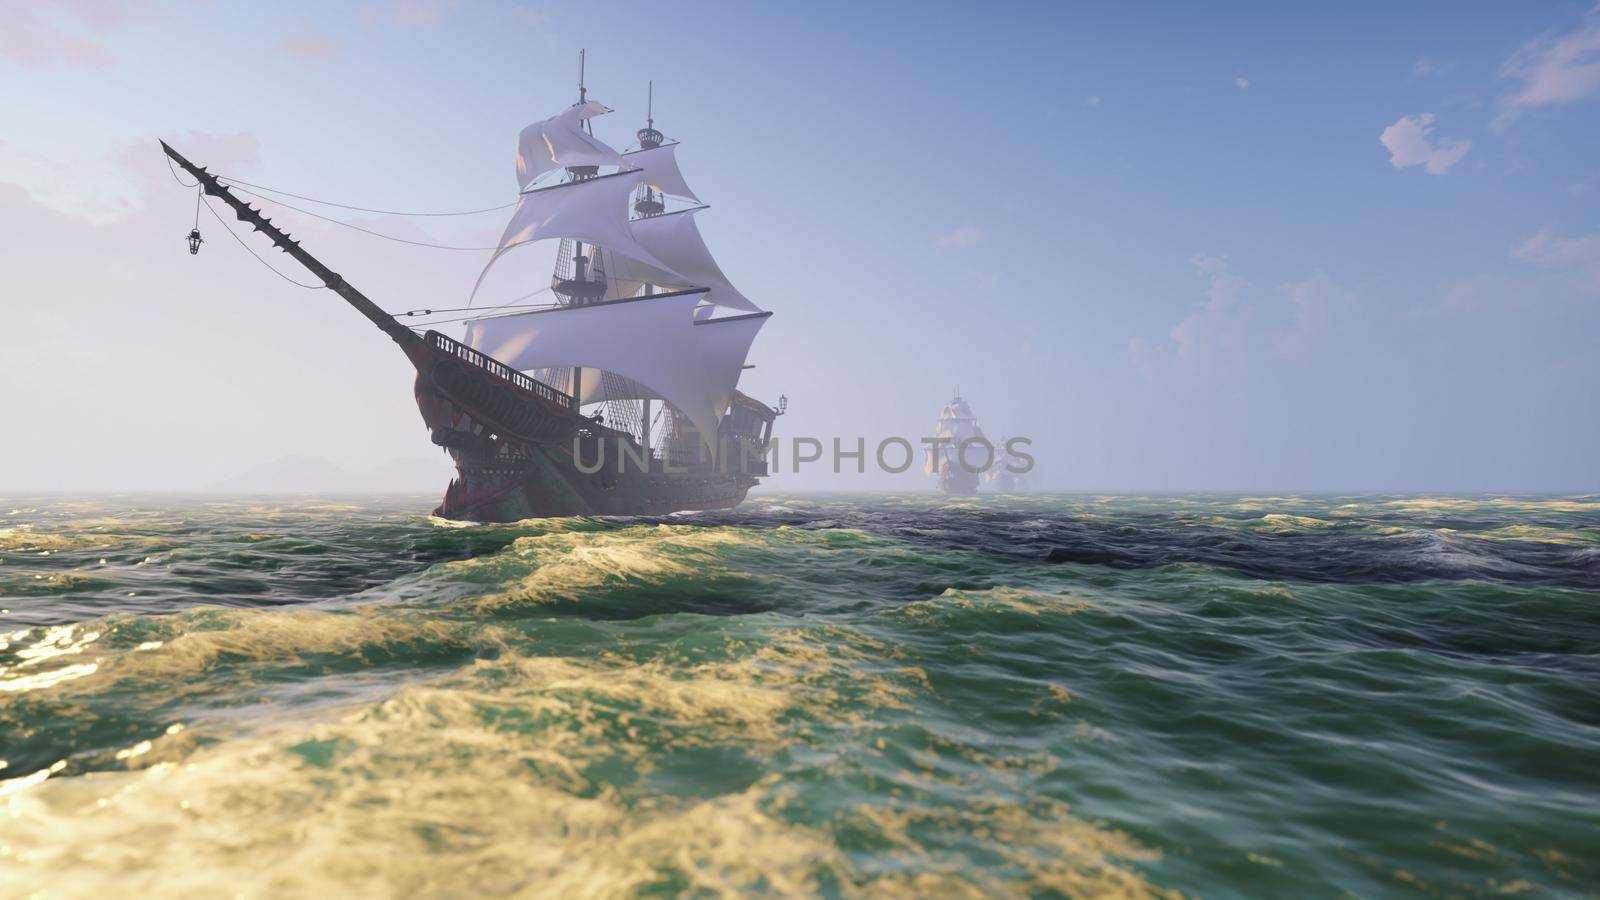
point(513, 445)
point(953, 479)
point(552, 485)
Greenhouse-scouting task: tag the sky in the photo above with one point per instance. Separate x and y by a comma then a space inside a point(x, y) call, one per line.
point(1257, 247)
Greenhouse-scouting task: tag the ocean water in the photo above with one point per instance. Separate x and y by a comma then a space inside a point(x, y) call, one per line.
point(826, 694)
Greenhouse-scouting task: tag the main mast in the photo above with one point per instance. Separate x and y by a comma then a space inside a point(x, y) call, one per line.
point(581, 278)
point(648, 203)
point(580, 287)
point(624, 239)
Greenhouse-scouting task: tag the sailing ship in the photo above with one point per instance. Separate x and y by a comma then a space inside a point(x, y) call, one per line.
point(1008, 475)
point(947, 459)
point(619, 398)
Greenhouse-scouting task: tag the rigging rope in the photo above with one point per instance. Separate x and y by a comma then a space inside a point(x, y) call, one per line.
point(225, 226)
point(175, 173)
point(236, 182)
point(381, 212)
point(511, 305)
point(357, 227)
point(445, 321)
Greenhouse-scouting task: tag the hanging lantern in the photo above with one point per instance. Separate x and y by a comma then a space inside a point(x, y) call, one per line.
point(783, 404)
point(195, 241)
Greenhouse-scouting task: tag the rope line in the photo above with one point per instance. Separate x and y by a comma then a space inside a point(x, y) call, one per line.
point(236, 182)
point(465, 318)
point(441, 322)
point(381, 212)
point(225, 227)
point(175, 173)
point(380, 234)
point(511, 305)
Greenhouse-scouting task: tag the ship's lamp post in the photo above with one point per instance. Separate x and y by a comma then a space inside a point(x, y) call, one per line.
point(195, 241)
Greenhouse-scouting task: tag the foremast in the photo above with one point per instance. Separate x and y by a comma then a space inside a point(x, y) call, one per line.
point(648, 202)
point(333, 281)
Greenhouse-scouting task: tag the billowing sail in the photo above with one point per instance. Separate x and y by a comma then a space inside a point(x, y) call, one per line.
point(724, 344)
point(654, 341)
point(1010, 471)
point(561, 141)
point(958, 424)
point(596, 388)
point(593, 211)
point(675, 241)
point(660, 165)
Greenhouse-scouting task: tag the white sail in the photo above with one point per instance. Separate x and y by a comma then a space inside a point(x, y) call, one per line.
point(675, 241)
point(660, 165)
point(588, 109)
point(724, 344)
point(593, 211)
point(654, 341)
point(561, 141)
point(957, 424)
point(1009, 472)
point(598, 389)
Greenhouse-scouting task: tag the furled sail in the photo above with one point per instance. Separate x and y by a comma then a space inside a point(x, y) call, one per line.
point(660, 165)
point(594, 210)
point(560, 141)
point(655, 341)
point(674, 240)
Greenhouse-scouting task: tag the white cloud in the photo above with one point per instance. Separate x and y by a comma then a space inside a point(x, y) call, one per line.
point(1486, 291)
point(1548, 251)
point(310, 47)
point(1555, 68)
point(1228, 330)
point(411, 13)
point(1242, 83)
point(965, 236)
point(1215, 326)
point(1213, 335)
point(91, 185)
point(1410, 143)
point(1423, 68)
point(37, 35)
point(1317, 302)
point(1092, 100)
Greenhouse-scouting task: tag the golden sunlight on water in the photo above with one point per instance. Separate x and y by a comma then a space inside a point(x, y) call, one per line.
point(417, 797)
point(853, 697)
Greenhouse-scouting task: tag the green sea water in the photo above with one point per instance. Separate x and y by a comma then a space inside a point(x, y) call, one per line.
point(853, 696)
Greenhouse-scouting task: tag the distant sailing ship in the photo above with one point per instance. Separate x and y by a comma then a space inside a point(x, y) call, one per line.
point(1008, 475)
point(958, 426)
point(643, 316)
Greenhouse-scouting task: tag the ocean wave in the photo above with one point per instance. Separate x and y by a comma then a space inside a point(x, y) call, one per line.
point(828, 695)
point(564, 774)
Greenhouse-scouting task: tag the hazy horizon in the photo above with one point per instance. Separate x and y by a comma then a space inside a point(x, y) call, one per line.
point(1250, 249)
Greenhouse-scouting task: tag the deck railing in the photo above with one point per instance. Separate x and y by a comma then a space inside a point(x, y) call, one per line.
point(498, 369)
